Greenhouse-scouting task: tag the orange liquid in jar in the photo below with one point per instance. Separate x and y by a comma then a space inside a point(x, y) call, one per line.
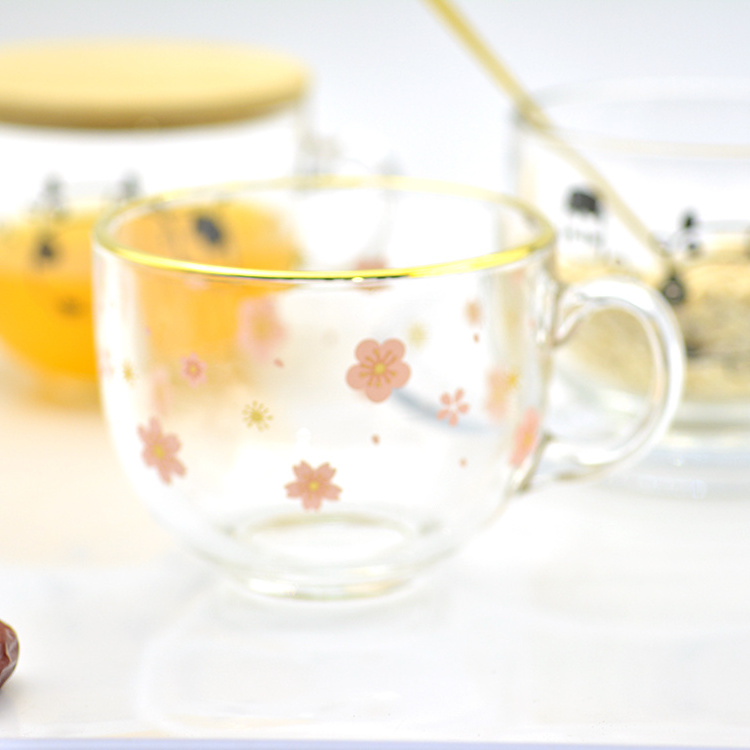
point(45, 280)
point(45, 292)
point(186, 313)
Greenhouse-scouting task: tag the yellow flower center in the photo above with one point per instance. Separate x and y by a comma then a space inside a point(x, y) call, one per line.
point(313, 486)
point(379, 368)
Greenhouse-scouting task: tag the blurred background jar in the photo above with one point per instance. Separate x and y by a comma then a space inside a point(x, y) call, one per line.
point(85, 124)
point(677, 152)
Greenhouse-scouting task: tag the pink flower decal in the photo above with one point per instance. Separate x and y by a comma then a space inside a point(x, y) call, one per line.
point(369, 262)
point(160, 450)
point(380, 368)
point(500, 384)
point(260, 330)
point(473, 312)
point(193, 369)
point(313, 485)
point(526, 437)
point(161, 391)
point(453, 407)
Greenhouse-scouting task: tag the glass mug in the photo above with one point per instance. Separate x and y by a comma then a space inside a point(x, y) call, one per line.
point(677, 152)
point(324, 408)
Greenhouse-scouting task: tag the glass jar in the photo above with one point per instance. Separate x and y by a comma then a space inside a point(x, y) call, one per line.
point(677, 153)
point(83, 124)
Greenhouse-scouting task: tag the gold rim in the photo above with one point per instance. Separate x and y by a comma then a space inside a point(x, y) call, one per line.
point(543, 236)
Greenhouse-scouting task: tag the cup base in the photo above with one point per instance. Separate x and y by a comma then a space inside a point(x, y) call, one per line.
point(329, 555)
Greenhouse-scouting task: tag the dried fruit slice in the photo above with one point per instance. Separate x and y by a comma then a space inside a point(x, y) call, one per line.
point(8, 652)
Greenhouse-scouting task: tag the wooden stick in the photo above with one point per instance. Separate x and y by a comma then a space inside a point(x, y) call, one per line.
point(537, 118)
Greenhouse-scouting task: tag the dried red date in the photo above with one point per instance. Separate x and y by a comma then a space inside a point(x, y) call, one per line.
point(8, 651)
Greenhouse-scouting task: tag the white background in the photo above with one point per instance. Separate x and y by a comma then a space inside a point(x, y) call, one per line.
point(391, 66)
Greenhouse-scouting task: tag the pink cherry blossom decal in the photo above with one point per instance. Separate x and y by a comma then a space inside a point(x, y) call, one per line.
point(453, 407)
point(260, 329)
point(160, 450)
point(193, 369)
point(380, 369)
point(500, 384)
point(473, 312)
point(526, 437)
point(161, 391)
point(313, 485)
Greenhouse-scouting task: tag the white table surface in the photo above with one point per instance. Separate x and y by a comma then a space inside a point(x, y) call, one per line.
point(585, 615)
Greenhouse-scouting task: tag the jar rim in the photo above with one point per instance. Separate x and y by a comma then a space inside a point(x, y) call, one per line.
point(653, 91)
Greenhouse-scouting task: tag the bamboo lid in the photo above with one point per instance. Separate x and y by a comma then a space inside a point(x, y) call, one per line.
point(143, 84)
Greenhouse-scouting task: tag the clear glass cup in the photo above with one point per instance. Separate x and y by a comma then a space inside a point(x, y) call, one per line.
point(324, 404)
point(678, 153)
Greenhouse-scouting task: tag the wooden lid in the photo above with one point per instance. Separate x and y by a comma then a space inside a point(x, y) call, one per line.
point(143, 83)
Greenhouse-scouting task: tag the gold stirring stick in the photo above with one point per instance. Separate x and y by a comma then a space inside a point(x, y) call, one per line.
point(535, 116)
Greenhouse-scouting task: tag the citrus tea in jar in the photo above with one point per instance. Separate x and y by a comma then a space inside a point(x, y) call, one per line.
point(84, 125)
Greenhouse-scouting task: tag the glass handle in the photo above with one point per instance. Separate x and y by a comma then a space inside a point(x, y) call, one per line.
point(561, 458)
